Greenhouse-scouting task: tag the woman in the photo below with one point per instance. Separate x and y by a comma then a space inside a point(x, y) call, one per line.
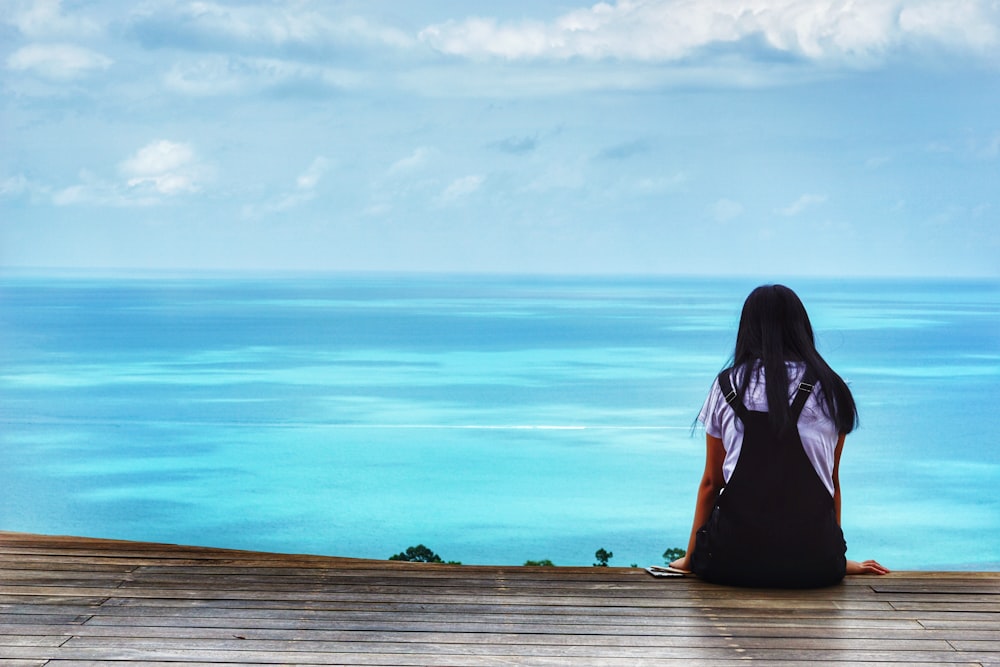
point(768, 510)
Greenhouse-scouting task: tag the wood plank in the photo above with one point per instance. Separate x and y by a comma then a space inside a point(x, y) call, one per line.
point(8, 641)
point(919, 605)
point(960, 624)
point(419, 620)
point(390, 661)
point(305, 638)
point(976, 587)
point(310, 651)
point(269, 627)
point(448, 598)
point(30, 618)
point(404, 660)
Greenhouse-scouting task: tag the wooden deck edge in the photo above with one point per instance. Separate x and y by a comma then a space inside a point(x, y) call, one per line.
point(40, 544)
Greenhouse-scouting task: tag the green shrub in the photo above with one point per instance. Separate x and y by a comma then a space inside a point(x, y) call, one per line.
point(602, 557)
point(672, 554)
point(417, 554)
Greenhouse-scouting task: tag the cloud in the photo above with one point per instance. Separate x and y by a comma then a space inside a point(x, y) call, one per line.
point(235, 75)
point(159, 169)
point(462, 187)
point(672, 30)
point(45, 19)
point(624, 150)
point(213, 26)
point(987, 147)
point(960, 24)
point(308, 179)
point(725, 210)
point(57, 61)
point(94, 191)
point(305, 190)
point(164, 167)
point(518, 145)
point(661, 184)
point(13, 186)
point(412, 161)
point(801, 204)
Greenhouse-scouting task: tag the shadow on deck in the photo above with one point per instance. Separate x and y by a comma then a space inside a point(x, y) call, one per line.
point(76, 601)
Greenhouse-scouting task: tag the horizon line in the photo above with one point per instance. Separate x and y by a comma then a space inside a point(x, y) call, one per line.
point(123, 272)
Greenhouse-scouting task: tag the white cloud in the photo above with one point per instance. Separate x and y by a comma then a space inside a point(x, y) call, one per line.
point(13, 186)
point(158, 169)
point(95, 191)
point(801, 204)
point(21, 186)
point(462, 187)
point(87, 194)
point(305, 190)
point(987, 147)
point(268, 26)
point(228, 75)
point(310, 178)
point(75, 194)
point(166, 167)
point(45, 18)
point(962, 24)
point(725, 210)
point(57, 61)
point(411, 161)
point(670, 30)
point(283, 203)
point(660, 184)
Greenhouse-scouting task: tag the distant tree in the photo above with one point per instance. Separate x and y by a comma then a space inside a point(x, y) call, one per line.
point(539, 563)
point(418, 554)
point(672, 554)
point(602, 557)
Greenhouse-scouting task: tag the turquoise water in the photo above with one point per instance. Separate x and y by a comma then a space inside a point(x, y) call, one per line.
point(494, 419)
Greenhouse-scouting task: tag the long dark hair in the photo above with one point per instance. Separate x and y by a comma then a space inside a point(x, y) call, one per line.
point(774, 329)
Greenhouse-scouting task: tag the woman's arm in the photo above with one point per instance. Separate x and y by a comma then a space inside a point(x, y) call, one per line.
point(712, 481)
point(836, 474)
point(853, 566)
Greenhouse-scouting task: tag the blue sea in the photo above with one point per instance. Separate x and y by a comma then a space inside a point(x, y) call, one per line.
point(494, 419)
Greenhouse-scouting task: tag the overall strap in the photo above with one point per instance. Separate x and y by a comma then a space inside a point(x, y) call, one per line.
point(730, 396)
point(806, 386)
point(801, 395)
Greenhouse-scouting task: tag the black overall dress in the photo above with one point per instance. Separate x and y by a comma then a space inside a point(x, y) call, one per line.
point(774, 523)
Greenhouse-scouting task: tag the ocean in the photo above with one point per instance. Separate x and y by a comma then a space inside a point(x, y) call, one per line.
point(494, 419)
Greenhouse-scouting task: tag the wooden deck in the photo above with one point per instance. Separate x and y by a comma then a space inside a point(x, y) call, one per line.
point(75, 601)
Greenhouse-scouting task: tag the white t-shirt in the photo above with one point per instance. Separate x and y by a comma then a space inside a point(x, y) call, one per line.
point(817, 430)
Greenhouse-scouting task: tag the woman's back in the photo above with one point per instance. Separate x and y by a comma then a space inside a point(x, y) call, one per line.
point(817, 429)
point(774, 523)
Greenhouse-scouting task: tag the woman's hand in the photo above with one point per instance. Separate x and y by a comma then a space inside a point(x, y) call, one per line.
point(866, 567)
point(682, 563)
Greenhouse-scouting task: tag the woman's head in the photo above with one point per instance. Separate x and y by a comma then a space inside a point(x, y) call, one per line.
point(775, 329)
point(774, 324)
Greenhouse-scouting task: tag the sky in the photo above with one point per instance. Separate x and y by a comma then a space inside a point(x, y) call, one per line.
point(679, 137)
